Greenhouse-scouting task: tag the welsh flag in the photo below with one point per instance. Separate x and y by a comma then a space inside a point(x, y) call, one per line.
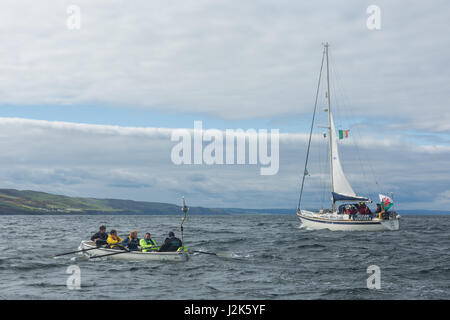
point(343, 134)
point(386, 202)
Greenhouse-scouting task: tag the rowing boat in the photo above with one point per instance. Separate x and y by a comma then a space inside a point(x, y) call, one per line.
point(132, 255)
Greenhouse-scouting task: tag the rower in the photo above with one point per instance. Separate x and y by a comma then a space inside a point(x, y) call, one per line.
point(100, 237)
point(132, 241)
point(114, 240)
point(172, 243)
point(148, 244)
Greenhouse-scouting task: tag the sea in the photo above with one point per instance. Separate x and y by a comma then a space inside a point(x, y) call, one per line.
point(261, 256)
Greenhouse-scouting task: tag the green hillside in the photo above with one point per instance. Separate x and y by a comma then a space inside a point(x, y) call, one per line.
point(33, 202)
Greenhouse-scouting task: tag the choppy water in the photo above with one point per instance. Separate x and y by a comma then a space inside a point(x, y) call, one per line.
point(272, 259)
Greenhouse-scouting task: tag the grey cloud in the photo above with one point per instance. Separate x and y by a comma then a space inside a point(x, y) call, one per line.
point(230, 59)
point(81, 160)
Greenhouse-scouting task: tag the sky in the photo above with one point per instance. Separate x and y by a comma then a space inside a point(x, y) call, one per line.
point(90, 111)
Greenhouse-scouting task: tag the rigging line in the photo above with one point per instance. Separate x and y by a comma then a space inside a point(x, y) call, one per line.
point(323, 182)
point(337, 109)
point(369, 163)
point(323, 161)
point(343, 114)
point(310, 133)
point(319, 180)
point(319, 184)
point(318, 159)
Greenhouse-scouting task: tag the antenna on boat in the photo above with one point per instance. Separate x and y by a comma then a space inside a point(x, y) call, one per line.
point(185, 209)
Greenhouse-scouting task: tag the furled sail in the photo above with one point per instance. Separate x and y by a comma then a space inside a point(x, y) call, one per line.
point(342, 191)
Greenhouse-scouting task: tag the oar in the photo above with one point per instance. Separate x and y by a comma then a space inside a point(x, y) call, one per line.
point(82, 250)
point(225, 255)
point(110, 254)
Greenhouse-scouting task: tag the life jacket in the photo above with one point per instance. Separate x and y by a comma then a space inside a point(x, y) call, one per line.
point(131, 243)
point(112, 240)
point(148, 245)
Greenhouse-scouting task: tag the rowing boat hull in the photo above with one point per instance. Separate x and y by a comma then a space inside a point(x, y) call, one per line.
point(314, 221)
point(133, 255)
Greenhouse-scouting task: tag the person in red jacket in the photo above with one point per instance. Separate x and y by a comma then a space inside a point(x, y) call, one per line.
point(362, 208)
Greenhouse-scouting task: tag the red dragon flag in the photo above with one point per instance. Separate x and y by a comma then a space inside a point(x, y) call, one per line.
point(386, 202)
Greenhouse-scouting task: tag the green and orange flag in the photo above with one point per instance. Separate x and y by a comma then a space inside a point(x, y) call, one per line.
point(343, 134)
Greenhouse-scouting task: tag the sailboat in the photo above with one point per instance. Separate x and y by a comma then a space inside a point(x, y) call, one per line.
point(347, 216)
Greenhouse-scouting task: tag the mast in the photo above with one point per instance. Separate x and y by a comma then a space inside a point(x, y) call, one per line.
point(329, 129)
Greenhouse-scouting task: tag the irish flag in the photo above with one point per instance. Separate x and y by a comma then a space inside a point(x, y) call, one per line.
point(343, 134)
point(386, 202)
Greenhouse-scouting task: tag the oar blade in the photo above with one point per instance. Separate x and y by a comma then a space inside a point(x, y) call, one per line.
point(225, 255)
point(217, 254)
point(80, 258)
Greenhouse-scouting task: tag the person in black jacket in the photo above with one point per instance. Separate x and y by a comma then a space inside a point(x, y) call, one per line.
point(100, 237)
point(171, 244)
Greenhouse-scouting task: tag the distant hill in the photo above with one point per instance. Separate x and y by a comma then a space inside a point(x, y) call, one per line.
point(33, 202)
point(423, 212)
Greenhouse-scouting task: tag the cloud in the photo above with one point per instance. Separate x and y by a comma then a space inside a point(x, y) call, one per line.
point(134, 163)
point(68, 127)
point(444, 196)
point(229, 59)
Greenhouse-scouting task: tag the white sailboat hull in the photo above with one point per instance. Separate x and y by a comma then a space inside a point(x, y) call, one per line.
point(133, 255)
point(335, 222)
